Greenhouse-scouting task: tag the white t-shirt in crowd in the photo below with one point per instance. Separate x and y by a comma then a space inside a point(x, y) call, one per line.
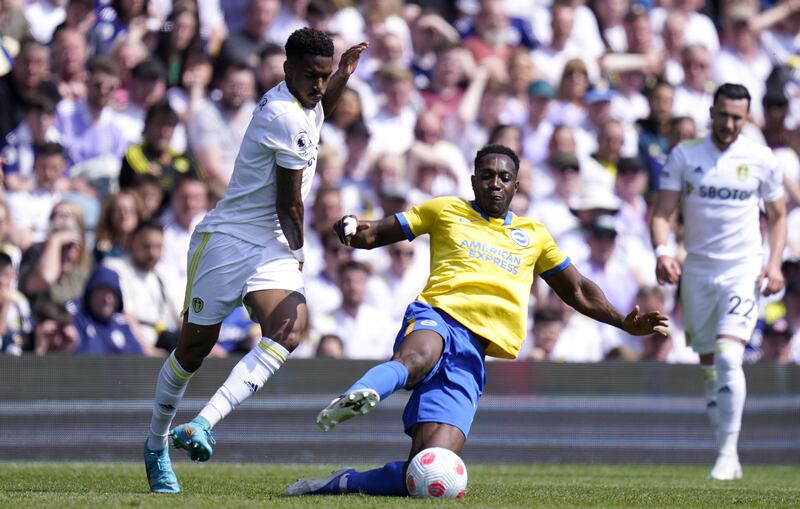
point(720, 194)
point(281, 133)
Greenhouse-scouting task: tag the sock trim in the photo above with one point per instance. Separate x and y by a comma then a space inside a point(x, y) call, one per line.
point(177, 369)
point(272, 350)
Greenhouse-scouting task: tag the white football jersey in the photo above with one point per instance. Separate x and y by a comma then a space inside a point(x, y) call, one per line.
point(720, 194)
point(281, 133)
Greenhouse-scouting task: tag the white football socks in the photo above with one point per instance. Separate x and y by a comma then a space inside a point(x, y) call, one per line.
point(171, 384)
point(731, 394)
point(710, 390)
point(249, 375)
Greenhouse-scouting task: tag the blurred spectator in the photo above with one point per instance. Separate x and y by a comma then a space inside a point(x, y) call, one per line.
point(15, 312)
point(70, 54)
point(587, 204)
point(348, 110)
point(671, 348)
point(330, 346)
point(741, 59)
point(538, 129)
point(151, 195)
point(216, 130)
point(146, 86)
point(598, 112)
point(91, 128)
point(269, 70)
point(694, 96)
point(480, 111)
point(190, 95)
point(127, 51)
point(120, 216)
point(45, 16)
point(187, 207)
point(31, 209)
point(7, 238)
point(569, 109)
point(699, 28)
point(653, 129)
point(777, 137)
point(102, 328)
point(245, 44)
point(26, 80)
point(178, 38)
point(445, 88)
point(673, 36)
point(38, 126)
point(776, 345)
point(610, 16)
point(630, 187)
point(609, 146)
point(492, 33)
point(115, 19)
point(405, 276)
point(547, 327)
point(392, 127)
point(237, 335)
point(326, 209)
point(549, 59)
point(55, 271)
point(322, 290)
point(54, 331)
point(354, 318)
point(553, 209)
point(80, 15)
point(151, 294)
point(154, 156)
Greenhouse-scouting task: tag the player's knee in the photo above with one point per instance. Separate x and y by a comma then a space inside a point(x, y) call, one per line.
point(728, 360)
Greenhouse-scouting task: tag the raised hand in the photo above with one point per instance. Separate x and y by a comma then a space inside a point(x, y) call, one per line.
point(350, 58)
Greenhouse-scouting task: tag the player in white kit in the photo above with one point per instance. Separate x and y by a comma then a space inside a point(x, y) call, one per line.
point(720, 181)
point(250, 249)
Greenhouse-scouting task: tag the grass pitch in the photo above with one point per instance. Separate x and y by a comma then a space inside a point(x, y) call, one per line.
point(216, 486)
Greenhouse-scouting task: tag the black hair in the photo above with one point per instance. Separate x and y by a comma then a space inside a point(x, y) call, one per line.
point(5, 260)
point(547, 315)
point(41, 103)
point(48, 148)
point(308, 41)
point(161, 108)
point(271, 49)
point(146, 226)
point(733, 91)
point(499, 150)
point(354, 265)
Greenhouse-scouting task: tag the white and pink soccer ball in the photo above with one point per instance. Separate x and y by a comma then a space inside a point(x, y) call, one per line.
point(436, 473)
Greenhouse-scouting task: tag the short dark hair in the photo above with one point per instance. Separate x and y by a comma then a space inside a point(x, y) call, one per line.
point(354, 265)
point(500, 150)
point(271, 49)
point(148, 225)
point(41, 103)
point(48, 148)
point(308, 41)
point(733, 91)
point(161, 108)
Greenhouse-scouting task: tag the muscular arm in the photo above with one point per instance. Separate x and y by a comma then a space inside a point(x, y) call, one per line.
point(585, 296)
point(290, 205)
point(665, 206)
point(371, 234)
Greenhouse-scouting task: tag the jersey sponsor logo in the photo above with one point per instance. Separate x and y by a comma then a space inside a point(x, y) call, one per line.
point(742, 171)
point(520, 237)
point(724, 193)
point(502, 258)
point(302, 144)
point(428, 323)
point(197, 304)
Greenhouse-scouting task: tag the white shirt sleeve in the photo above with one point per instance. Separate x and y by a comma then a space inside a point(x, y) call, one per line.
point(672, 174)
point(289, 137)
point(771, 187)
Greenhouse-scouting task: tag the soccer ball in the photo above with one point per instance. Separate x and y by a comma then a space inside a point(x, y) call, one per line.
point(436, 473)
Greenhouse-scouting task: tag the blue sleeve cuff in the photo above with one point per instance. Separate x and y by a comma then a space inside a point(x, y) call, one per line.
point(404, 224)
point(558, 268)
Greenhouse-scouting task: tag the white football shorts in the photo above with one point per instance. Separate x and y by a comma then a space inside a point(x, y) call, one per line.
point(223, 269)
point(719, 297)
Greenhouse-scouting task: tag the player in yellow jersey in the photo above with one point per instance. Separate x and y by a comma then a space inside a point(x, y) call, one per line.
point(483, 261)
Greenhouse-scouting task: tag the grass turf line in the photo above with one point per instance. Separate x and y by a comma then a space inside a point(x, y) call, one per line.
point(215, 486)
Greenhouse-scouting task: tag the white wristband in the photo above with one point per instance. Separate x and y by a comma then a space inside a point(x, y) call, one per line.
point(298, 254)
point(662, 250)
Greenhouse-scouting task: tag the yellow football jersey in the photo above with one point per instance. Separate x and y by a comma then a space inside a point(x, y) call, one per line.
point(482, 267)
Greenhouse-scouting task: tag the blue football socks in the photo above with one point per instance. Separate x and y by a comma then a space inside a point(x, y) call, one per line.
point(384, 378)
point(386, 481)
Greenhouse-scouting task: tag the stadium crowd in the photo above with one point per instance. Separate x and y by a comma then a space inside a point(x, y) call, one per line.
point(120, 122)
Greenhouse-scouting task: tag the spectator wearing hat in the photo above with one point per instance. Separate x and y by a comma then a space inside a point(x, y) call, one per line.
point(146, 86)
point(741, 59)
point(102, 328)
point(90, 128)
point(587, 204)
point(598, 112)
point(539, 128)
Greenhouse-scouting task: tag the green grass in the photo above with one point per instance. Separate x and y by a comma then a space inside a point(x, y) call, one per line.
point(88, 485)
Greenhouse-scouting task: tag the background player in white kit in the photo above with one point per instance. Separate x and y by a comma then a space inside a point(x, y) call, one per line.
point(720, 181)
point(250, 249)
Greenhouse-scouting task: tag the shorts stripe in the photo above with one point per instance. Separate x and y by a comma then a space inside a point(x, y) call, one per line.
point(272, 351)
point(410, 327)
point(192, 270)
point(178, 372)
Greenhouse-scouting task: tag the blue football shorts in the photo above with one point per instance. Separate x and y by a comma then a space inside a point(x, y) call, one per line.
point(449, 394)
